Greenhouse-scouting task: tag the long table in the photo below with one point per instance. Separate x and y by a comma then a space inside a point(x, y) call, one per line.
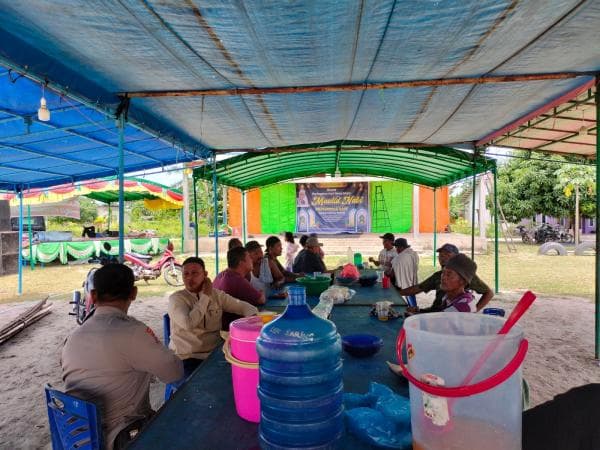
point(365, 296)
point(201, 415)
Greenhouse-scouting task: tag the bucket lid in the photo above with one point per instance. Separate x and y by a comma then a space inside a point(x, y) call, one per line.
point(246, 328)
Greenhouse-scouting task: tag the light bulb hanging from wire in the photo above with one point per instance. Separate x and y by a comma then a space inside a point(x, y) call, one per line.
point(43, 111)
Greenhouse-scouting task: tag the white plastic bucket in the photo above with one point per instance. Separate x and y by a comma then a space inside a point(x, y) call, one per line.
point(445, 349)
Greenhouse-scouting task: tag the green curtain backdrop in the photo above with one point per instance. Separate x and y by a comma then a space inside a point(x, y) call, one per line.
point(398, 198)
point(46, 252)
point(278, 208)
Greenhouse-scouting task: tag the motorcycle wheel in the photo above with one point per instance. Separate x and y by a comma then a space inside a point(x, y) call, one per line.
point(173, 275)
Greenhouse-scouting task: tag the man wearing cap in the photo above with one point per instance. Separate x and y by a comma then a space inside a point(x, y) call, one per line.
point(387, 254)
point(445, 253)
point(456, 276)
point(406, 267)
point(309, 260)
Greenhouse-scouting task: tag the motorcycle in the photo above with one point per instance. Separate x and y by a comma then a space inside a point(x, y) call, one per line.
point(546, 233)
point(167, 267)
point(526, 235)
point(83, 305)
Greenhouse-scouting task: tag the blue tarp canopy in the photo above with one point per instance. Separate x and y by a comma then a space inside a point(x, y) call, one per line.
point(78, 143)
point(97, 49)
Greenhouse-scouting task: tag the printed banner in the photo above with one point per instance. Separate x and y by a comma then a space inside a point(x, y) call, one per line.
point(332, 208)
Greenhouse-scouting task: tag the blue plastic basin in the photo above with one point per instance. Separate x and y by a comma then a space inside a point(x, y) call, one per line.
point(361, 345)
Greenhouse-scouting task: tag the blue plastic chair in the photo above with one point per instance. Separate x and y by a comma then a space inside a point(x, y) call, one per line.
point(171, 387)
point(74, 423)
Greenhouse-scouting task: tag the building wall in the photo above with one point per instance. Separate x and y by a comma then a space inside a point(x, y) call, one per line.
point(280, 215)
point(398, 202)
point(426, 209)
point(234, 211)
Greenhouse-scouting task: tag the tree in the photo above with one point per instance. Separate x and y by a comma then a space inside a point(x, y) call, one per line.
point(527, 187)
point(581, 180)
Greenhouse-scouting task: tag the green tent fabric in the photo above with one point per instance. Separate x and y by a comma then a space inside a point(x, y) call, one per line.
point(427, 166)
point(278, 208)
point(398, 197)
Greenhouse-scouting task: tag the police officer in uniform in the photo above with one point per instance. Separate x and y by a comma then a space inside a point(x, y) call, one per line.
point(110, 359)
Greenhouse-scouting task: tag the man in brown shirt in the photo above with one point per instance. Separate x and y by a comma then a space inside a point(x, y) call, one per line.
point(110, 359)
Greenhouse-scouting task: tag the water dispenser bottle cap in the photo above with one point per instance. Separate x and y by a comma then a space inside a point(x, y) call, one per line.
point(297, 295)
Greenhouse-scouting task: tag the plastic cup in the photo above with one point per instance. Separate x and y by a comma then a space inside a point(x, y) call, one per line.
point(316, 274)
point(382, 311)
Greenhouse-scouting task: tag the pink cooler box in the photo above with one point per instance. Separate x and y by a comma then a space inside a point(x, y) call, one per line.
point(242, 336)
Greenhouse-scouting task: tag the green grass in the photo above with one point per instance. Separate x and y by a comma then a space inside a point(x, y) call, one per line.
point(549, 275)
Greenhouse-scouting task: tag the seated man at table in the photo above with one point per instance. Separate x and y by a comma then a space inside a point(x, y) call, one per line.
point(445, 252)
point(111, 358)
point(278, 274)
point(233, 282)
point(309, 260)
point(456, 276)
point(256, 255)
point(196, 313)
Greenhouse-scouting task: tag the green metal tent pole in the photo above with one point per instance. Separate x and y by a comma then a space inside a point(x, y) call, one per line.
point(244, 230)
point(182, 231)
point(109, 217)
point(473, 215)
point(30, 234)
point(121, 125)
point(434, 226)
point(496, 261)
point(195, 214)
point(216, 213)
point(20, 259)
point(597, 288)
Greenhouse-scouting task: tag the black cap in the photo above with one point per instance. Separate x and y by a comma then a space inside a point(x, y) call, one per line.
point(401, 242)
point(388, 237)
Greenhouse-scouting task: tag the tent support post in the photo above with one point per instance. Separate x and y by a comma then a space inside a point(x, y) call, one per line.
point(195, 216)
point(496, 260)
point(474, 187)
point(597, 281)
point(20, 246)
point(182, 231)
point(434, 226)
point(30, 234)
point(244, 229)
point(216, 213)
point(109, 217)
point(121, 125)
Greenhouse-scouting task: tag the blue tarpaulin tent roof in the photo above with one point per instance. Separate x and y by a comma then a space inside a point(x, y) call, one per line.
point(100, 49)
point(78, 143)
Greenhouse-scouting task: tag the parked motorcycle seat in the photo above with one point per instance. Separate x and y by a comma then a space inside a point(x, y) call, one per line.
point(140, 256)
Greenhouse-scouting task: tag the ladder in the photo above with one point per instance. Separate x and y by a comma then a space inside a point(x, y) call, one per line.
point(380, 213)
point(504, 229)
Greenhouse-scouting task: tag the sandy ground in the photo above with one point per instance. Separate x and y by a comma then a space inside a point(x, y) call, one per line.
point(560, 333)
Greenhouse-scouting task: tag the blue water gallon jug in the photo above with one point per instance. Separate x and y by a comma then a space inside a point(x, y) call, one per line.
point(300, 379)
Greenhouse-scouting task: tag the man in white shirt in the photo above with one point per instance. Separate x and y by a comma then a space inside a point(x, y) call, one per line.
point(386, 255)
point(406, 267)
